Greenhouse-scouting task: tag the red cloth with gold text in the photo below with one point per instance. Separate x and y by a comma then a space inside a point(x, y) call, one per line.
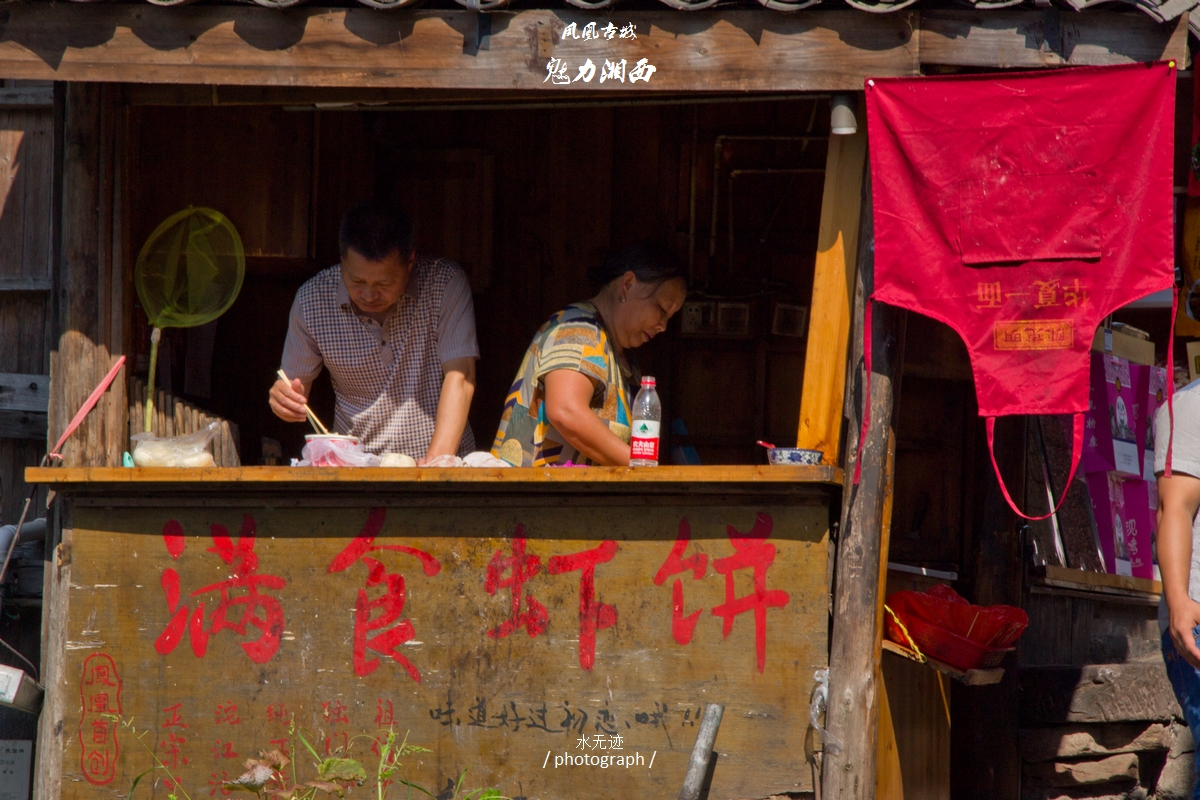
point(1021, 209)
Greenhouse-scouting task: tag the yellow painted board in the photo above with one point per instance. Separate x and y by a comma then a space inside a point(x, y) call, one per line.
point(291, 616)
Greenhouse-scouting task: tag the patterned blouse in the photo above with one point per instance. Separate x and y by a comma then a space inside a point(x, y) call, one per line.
point(573, 339)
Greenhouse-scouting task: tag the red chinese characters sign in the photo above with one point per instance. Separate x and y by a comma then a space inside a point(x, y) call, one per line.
point(504, 629)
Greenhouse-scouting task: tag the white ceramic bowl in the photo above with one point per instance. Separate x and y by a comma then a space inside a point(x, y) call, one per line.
point(793, 456)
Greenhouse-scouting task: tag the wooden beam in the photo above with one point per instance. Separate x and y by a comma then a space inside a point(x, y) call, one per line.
point(853, 654)
point(833, 291)
point(1031, 39)
point(739, 50)
point(24, 392)
point(27, 97)
point(22, 424)
point(25, 285)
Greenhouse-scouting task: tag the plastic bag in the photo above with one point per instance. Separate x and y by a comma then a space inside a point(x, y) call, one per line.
point(322, 451)
point(818, 706)
point(482, 458)
point(175, 451)
point(943, 625)
point(445, 461)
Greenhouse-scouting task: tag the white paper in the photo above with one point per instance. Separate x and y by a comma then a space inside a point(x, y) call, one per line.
point(16, 758)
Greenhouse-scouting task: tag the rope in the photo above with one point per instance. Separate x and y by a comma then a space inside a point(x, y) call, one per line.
point(920, 656)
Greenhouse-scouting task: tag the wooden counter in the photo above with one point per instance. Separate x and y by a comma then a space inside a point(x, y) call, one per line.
point(501, 617)
point(418, 478)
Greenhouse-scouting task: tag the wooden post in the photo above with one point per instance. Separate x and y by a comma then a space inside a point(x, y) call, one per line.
point(833, 289)
point(853, 700)
point(697, 771)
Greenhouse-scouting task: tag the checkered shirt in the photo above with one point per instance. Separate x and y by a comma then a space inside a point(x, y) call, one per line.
point(388, 378)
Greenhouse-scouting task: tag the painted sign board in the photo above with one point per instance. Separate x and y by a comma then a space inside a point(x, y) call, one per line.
point(552, 650)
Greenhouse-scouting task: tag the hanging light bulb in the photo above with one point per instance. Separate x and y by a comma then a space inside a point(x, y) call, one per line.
point(841, 114)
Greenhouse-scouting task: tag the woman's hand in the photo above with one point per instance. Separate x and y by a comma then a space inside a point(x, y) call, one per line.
point(288, 399)
point(569, 409)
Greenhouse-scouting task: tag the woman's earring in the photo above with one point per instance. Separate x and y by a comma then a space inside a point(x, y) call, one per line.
point(622, 299)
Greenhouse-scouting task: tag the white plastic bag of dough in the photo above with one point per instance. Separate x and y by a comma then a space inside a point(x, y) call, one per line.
point(397, 460)
point(482, 458)
point(189, 450)
point(335, 451)
point(445, 461)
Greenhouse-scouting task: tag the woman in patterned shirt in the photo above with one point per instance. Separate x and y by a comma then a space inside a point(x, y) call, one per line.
point(570, 400)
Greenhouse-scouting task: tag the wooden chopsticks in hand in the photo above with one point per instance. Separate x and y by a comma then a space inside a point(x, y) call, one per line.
point(316, 423)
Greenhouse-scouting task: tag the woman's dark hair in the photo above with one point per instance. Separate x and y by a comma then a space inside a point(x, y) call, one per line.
point(650, 262)
point(375, 230)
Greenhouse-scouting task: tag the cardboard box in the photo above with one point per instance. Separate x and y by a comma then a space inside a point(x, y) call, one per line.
point(1130, 348)
point(1125, 513)
point(1155, 381)
point(1140, 521)
point(1108, 506)
point(1111, 427)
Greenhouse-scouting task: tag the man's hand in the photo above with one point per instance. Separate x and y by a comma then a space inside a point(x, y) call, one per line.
point(288, 399)
point(458, 387)
point(1184, 617)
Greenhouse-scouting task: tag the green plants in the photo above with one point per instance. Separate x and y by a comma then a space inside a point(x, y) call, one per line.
point(276, 775)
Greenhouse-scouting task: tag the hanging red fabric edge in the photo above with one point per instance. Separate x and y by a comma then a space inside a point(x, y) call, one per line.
point(1171, 382)
point(1076, 455)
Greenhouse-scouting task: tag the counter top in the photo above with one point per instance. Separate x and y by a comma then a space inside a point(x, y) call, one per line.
point(67, 477)
point(320, 486)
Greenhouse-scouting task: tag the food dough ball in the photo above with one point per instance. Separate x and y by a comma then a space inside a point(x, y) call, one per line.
point(397, 460)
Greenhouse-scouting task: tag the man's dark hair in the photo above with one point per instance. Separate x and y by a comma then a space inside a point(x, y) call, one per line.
point(650, 262)
point(376, 230)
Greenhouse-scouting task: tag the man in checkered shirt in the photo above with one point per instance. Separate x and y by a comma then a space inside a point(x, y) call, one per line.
point(396, 331)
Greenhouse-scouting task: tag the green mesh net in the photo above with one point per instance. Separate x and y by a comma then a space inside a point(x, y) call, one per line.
point(188, 273)
point(190, 270)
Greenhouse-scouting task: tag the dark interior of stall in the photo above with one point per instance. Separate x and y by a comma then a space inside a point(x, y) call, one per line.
point(525, 199)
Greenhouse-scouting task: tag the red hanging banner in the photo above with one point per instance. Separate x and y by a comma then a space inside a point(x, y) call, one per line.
point(1021, 209)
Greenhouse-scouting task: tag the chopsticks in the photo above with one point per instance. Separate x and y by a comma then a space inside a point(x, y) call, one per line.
point(316, 423)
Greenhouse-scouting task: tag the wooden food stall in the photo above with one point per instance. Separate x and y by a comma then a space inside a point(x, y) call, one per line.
point(506, 619)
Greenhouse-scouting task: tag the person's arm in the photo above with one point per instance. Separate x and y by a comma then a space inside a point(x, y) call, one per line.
point(1178, 501)
point(568, 407)
point(302, 363)
point(458, 387)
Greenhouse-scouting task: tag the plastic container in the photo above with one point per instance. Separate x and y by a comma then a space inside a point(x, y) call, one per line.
point(948, 628)
point(335, 450)
point(647, 419)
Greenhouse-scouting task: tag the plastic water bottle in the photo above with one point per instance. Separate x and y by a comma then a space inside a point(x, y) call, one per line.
point(647, 416)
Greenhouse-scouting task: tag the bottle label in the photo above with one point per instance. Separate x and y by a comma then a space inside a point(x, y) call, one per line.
point(644, 442)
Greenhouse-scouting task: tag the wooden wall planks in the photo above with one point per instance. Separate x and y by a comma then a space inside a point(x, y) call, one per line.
point(82, 354)
point(26, 186)
point(255, 167)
